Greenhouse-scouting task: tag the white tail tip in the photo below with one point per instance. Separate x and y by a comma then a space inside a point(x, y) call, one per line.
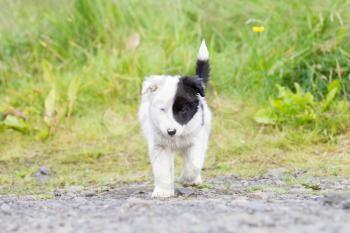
point(203, 53)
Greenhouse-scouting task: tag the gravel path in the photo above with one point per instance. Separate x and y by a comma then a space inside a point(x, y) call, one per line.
point(231, 204)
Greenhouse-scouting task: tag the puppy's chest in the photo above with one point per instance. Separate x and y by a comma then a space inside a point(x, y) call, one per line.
point(177, 143)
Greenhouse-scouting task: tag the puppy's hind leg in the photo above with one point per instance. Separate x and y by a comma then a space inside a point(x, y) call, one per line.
point(194, 160)
point(163, 171)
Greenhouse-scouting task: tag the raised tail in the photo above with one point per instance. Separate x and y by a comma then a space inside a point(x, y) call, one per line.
point(202, 66)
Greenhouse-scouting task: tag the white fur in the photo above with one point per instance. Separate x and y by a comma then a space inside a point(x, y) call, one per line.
point(191, 139)
point(203, 53)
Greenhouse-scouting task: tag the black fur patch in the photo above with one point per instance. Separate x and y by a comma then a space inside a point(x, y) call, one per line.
point(186, 100)
point(203, 70)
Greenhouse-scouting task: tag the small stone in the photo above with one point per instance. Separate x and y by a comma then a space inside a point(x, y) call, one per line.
point(5, 208)
point(205, 191)
point(45, 171)
point(43, 175)
point(346, 205)
point(185, 191)
point(58, 192)
point(139, 191)
point(88, 193)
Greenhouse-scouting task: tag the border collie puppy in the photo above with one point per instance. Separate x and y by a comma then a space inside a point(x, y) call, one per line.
point(175, 117)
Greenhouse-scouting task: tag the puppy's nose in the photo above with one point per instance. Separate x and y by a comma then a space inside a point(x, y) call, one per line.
point(171, 132)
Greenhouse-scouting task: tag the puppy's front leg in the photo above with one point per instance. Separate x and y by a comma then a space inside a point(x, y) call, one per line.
point(163, 171)
point(194, 159)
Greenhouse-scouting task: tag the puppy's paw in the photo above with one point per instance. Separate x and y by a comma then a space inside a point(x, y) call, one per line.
point(190, 181)
point(160, 192)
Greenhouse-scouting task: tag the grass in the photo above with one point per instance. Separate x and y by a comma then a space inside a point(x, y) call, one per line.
point(75, 69)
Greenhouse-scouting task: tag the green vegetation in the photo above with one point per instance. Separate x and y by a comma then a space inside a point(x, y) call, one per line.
point(204, 186)
point(312, 186)
point(71, 72)
point(328, 116)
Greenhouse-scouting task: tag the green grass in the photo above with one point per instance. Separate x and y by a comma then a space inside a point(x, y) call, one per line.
point(72, 70)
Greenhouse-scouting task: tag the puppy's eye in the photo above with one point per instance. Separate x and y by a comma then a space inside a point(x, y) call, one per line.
point(162, 109)
point(183, 110)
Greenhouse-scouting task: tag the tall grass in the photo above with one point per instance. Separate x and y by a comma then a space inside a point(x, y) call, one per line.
point(304, 41)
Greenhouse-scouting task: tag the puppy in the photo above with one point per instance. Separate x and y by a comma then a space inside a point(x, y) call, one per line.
point(175, 117)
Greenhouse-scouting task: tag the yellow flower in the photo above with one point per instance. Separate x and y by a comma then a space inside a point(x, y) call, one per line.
point(259, 29)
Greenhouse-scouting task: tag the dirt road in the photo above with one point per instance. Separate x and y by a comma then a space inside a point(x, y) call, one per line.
point(227, 204)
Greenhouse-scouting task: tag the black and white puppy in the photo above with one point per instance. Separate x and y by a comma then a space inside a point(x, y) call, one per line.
point(175, 117)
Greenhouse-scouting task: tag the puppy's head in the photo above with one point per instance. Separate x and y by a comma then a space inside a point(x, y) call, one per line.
point(174, 101)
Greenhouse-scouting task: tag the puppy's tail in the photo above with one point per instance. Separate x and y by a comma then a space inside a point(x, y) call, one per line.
point(202, 66)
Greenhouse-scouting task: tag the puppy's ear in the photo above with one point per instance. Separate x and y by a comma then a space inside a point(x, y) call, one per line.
point(196, 84)
point(151, 84)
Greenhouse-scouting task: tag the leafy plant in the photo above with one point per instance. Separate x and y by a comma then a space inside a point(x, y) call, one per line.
point(15, 120)
point(50, 106)
point(299, 108)
point(22, 173)
point(73, 90)
point(16, 123)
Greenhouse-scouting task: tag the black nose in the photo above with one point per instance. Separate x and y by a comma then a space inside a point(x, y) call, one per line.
point(171, 132)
